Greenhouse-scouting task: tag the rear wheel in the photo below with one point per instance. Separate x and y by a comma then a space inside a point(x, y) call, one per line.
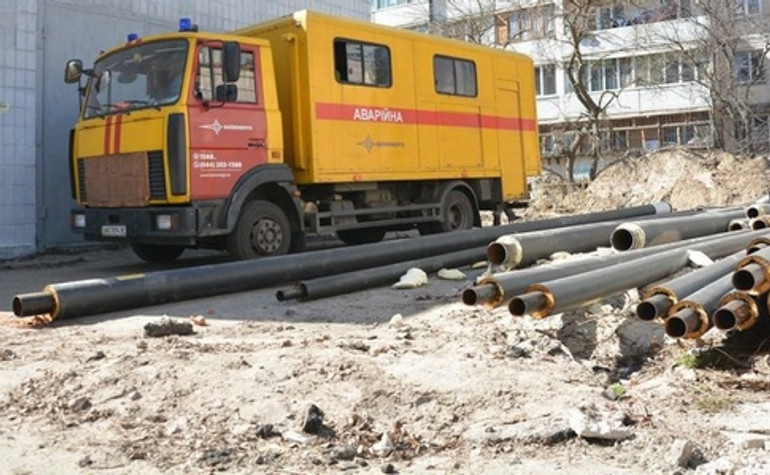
point(361, 236)
point(262, 230)
point(156, 252)
point(457, 214)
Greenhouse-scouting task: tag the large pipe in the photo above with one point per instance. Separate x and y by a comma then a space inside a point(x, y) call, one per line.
point(659, 299)
point(495, 290)
point(639, 234)
point(738, 224)
point(760, 222)
point(736, 311)
point(691, 318)
point(366, 278)
point(521, 250)
point(752, 274)
point(577, 290)
point(88, 297)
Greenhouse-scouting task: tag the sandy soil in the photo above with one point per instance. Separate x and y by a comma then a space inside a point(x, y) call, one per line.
point(382, 381)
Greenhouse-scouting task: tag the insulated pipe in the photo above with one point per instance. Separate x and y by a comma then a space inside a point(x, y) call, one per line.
point(753, 272)
point(495, 290)
point(736, 311)
point(88, 297)
point(758, 209)
point(521, 250)
point(757, 244)
point(639, 234)
point(738, 224)
point(760, 222)
point(659, 299)
point(690, 318)
point(577, 290)
point(366, 278)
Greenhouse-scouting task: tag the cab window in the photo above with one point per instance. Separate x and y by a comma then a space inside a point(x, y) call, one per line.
point(210, 76)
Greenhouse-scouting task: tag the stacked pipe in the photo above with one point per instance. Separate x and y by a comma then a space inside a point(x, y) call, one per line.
point(728, 294)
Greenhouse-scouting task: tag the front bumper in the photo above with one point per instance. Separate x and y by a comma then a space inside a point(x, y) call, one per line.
point(138, 224)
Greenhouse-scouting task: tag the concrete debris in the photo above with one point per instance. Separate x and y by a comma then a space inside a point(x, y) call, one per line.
point(384, 446)
point(413, 278)
point(451, 274)
point(168, 326)
point(591, 422)
point(720, 466)
point(79, 404)
point(397, 321)
point(681, 453)
point(545, 431)
point(313, 422)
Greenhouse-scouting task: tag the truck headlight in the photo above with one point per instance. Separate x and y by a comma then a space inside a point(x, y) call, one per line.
point(79, 220)
point(163, 222)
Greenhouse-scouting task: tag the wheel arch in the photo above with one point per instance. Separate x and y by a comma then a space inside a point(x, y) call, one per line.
point(464, 187)
point(274, 183)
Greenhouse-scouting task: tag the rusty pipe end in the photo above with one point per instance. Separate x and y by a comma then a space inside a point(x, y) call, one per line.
point(736, 311)
point(538, 302)
point(505, 252)
point(655, 306)
point(627, 236)
point(487, 293)
point(36, 303)
point(688, 320)
point(748, 277)
point(757, 244)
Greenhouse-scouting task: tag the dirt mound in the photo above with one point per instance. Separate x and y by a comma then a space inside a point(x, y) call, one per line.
point(683, 178)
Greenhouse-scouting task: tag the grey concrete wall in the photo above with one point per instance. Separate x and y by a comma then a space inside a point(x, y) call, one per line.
point(37, 109)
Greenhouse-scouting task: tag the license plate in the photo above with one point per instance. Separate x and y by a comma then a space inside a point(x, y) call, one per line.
point(114, 231)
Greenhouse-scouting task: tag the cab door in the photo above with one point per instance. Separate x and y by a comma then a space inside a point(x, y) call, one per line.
point(228, 131)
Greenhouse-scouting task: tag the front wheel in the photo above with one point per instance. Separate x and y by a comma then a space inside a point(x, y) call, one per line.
point(156, 253)
point(262, 230)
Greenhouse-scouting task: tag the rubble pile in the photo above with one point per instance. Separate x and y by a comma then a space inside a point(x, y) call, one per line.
point(685, 179)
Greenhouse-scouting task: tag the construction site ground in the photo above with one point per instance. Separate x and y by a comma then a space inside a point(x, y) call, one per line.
point(386, 380)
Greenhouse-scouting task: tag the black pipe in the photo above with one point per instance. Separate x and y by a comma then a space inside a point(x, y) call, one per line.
point(660, 298)
point(639, 234)
point(88, 297)
point(498, 288)
point(737, 310)
point(690, 318)
point(753, 272)
point(576, 290)
point(366, 278)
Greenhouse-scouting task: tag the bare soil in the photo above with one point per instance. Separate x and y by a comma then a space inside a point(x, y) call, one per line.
point(385, 380)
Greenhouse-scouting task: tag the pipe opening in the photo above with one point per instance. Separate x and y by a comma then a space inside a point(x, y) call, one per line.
point(527, 303)
point(743, 279)
point(622, 239)
point(758, 224)
point(736, 226)
point(470, 297)
point(496, 253)
point(752, 212)
point(18, 309)
point(283, 295)
point(646, 310)
point(676, 327)
point(724, 319)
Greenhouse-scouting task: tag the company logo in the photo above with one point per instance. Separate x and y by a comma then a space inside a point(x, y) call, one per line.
point(368, 143)
point(217, 127)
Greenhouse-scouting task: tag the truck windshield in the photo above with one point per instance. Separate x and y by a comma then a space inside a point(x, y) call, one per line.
point(145, 75)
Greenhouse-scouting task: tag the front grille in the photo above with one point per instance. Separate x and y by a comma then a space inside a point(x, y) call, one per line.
point(157, 175)
point(82, 180)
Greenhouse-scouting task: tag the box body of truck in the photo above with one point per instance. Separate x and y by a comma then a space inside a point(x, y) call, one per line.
point(331, 125)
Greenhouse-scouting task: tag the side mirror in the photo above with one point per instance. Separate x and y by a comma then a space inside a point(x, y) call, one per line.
point(226, 93)
point(103, 81)
point(73, 70)
point(231, 61)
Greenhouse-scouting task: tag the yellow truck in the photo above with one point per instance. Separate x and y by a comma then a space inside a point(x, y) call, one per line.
point(309, 123)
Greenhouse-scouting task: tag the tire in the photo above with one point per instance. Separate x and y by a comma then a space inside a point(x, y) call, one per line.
point(352, 237)
point(457, 212)
point(156, 253)
point(262, 230)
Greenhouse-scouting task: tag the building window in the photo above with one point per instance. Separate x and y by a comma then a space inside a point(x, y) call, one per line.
point(747, 7)
point(362, 63)
point(530, 23)
point(454, 76)
point(545, 80)
point(377, 4)
point(749, 66)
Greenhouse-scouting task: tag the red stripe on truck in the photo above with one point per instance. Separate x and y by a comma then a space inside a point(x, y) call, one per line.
point(360, 113)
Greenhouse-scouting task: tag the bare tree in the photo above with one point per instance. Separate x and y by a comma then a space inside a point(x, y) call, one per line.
point(729, 51)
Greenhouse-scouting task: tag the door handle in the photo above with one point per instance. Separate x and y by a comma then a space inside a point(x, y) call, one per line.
point(257, 143)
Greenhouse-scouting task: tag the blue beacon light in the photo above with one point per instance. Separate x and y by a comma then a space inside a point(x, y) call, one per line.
point(185, 24)
point(133, 37)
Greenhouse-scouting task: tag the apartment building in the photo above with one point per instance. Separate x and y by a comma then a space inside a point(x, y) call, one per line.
point(37, 109)
point(648, 64)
